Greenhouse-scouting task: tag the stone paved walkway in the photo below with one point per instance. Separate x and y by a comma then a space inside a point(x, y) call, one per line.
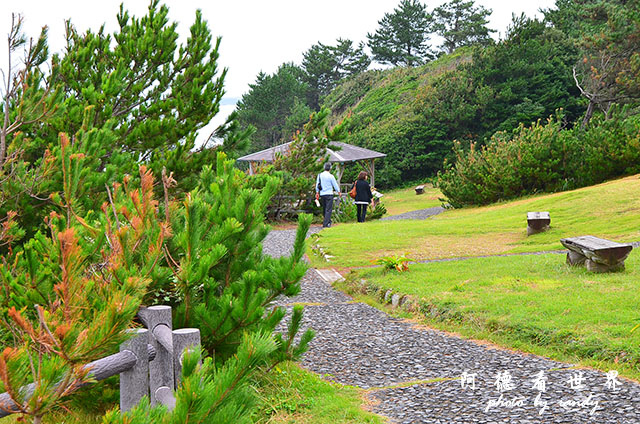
point(419, 214)
point(413, 373)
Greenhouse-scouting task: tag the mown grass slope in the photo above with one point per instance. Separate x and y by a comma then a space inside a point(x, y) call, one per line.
point(610, 210)
point(405, 200)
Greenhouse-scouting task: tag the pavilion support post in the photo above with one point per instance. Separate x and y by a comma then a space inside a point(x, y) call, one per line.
point(251, 172)
point(372, 172)
point(340, 172)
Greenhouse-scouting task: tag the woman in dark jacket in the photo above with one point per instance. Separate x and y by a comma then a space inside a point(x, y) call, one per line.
point(363, 195)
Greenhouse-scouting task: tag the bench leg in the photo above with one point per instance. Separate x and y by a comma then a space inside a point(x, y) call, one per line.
point(531, 230)
point(575, 258)
point(596, 267)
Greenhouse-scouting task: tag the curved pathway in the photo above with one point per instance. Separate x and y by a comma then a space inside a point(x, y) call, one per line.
point(413, 374)
point(419, 214)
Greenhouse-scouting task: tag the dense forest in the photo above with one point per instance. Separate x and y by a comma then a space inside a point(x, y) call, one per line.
point(437, 109)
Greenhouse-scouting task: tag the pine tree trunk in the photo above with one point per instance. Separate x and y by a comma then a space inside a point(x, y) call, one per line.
point(3, 131)
point(3, 146)
point(588, 115)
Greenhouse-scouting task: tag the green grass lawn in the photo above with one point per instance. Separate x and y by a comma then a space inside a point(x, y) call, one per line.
point(536, 303)
point(610, 210)
point(406, 200)
point(290, 394)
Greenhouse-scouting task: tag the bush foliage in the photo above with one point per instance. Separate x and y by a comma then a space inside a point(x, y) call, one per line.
point(542, 157)
point(88, 235)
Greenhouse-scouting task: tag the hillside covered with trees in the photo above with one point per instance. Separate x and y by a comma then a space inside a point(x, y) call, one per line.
point(456, 108)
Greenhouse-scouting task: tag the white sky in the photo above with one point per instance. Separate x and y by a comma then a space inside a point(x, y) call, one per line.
point(257, 35)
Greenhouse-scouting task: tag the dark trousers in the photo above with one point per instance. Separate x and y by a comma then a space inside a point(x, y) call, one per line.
point(327, 208)
point(362, 212)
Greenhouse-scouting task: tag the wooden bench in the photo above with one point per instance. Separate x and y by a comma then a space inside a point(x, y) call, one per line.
point(420, 189)
point(598, 255)
point(537, 222)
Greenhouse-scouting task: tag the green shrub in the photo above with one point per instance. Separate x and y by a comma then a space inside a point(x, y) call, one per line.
point(542, 158)
point(346, 211)
point(377, 212)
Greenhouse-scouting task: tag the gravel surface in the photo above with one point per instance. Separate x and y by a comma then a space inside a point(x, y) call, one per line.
point(413, 373)
point(419, 214)
point(359, 345)
point(280, 243)
point(447, 402)
point(314, 290)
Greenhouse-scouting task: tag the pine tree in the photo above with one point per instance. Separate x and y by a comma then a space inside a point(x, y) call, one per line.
point(461, 23)
point(135, 96)
point(99, 267)
point(221, 282)
point(303, 161)
point(607, 72)
point(270, 101)
point(402, 37)
point(157, 93)
point(26, 92)
point(68, 298)
point(326, 65)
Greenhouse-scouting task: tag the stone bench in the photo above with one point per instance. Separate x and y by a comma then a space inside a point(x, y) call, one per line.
point(419, 189)
point(537, 222)
point(598, 255)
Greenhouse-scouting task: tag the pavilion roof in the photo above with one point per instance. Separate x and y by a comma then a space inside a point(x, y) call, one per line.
point(344, 153)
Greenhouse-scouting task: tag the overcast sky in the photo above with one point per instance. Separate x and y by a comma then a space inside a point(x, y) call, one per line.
point(257, 35)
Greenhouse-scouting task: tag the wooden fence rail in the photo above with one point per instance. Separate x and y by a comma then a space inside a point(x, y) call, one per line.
point(149, 363)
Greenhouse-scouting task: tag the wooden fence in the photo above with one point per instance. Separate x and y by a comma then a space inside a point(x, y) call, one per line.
point(149, 363)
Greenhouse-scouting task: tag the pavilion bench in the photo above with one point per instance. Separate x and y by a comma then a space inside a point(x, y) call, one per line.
point(537, 222)
point(598, 255)
point(419, 189)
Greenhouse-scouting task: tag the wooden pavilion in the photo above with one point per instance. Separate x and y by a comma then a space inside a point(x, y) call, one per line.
point(345, 153)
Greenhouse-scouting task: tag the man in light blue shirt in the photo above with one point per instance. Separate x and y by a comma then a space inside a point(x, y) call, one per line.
point(326, 184)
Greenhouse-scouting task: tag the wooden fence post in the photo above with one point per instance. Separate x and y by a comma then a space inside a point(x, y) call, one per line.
point(158, 321)
point(134, 383)
point(183, 339)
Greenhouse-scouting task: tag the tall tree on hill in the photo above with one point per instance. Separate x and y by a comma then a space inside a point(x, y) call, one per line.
point(274, 104)
point(325, 65)
point(461, 23)
point(607, 32)
point(528, 75)
point(402, 37)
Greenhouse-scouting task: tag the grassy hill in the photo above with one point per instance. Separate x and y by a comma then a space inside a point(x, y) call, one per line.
point(385, 114)
point(610, 210)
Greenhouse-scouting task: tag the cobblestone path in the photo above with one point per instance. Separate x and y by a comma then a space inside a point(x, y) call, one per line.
point(413, 374)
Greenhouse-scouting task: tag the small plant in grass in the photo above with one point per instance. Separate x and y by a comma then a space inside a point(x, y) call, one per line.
point(394, 263)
